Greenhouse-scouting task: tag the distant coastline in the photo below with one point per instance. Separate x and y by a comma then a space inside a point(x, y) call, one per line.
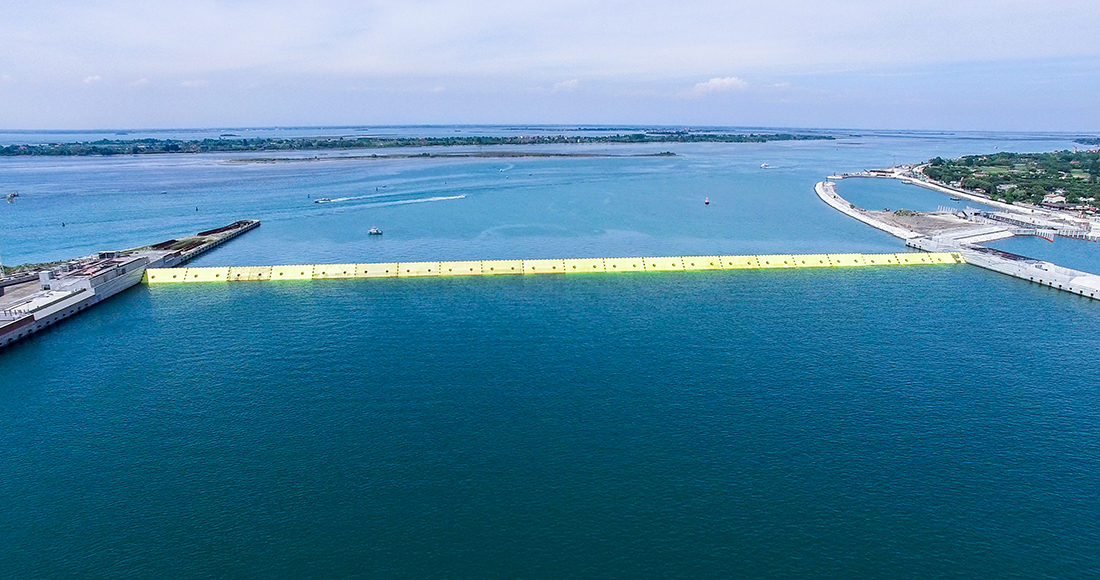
point(166, 146)
point(450, 155)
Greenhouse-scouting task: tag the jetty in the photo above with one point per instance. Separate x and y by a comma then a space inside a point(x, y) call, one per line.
point(33, 300)
point(961, 231)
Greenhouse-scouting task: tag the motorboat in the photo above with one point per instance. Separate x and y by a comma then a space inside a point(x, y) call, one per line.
point(374, 232)
point(11, 196)
point(322, 200)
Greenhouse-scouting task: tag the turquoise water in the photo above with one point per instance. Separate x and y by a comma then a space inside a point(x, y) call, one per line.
point(907, 422)
point(880, 194)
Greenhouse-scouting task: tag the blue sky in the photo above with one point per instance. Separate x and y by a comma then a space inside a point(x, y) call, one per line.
point(953, 65)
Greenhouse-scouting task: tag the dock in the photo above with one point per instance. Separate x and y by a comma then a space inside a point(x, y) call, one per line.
point(32, 301)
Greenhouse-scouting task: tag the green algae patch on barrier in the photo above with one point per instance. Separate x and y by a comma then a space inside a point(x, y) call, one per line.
point(543, 266)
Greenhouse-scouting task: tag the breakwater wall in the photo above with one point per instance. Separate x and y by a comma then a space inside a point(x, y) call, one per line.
point(543, 266)
point(963, 243)
point(826, 190)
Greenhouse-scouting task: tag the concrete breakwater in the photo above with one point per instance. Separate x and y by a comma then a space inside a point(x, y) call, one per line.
point(543, 266)
point(962, 239)
point(826, 190)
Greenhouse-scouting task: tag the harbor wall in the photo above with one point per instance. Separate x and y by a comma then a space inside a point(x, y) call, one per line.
point(543, 266)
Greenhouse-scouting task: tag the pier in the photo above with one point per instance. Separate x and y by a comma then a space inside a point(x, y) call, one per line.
point(32, 301)
point(567, 266)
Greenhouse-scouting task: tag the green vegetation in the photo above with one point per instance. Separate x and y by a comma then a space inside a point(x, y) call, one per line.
point(23, 269)
point(1026, 177)
point(157, 146)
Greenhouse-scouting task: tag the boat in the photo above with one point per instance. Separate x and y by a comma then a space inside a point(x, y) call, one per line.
point(706, 201)
point(374, 232)
point(956, 199)
point(322, 200)
point(11, 196)
point(764, 166)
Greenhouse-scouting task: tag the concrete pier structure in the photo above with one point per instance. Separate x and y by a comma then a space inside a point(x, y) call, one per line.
point(963, 237)
point(31, 302)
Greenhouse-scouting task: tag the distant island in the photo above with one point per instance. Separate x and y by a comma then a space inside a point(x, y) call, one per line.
point(163, 146)
point(1060, 178)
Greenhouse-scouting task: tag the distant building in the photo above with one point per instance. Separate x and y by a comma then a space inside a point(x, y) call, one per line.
point(1053, 198)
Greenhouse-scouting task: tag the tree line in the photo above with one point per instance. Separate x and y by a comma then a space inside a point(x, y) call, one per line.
point(1027, 177)
point(162, 146)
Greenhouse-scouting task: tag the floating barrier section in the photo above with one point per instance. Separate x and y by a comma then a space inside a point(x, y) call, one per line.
point(543, 266)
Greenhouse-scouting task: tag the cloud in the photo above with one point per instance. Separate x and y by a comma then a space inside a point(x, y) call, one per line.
point(139, 83)
point(718, 85)
point(566, 86)
point(306, 53)
point(92, 79)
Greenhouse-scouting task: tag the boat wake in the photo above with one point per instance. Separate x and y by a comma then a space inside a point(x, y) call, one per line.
point(390, 201)
point(420, 200)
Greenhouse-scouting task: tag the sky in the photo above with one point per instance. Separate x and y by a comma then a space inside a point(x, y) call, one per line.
point(874, 64)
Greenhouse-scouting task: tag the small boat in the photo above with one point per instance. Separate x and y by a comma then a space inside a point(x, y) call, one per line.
point(764, 166)
point(374, 232)
point(322, 200)
point(11, 196)
point(706, 201)
point(955, 199)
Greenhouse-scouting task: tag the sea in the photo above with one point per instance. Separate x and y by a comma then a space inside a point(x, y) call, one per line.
point(905, 422)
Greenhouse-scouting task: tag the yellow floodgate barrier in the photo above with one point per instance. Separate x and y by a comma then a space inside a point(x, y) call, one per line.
point(542, 266)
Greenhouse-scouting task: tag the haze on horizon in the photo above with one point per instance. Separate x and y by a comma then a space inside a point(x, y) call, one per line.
point(927, 64)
